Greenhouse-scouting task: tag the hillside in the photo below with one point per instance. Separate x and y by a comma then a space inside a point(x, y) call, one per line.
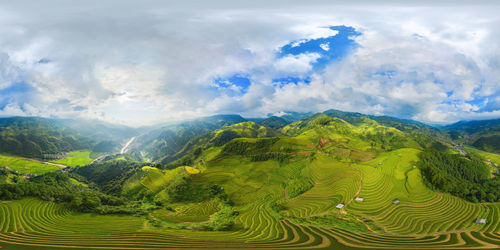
point(36, 137)
point(274, 122)
point(420, 132)
point(49, 138)
point(318, 182)
point(168, 141)
point(217, 138)
point(484, 135)
point(261, 188)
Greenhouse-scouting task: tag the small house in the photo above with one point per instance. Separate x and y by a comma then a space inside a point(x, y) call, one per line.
point(360, 199)
point(339, 206)
point(481, 221)
point(396, 201)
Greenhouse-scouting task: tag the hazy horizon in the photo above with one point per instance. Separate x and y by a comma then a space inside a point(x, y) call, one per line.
point(150, 62)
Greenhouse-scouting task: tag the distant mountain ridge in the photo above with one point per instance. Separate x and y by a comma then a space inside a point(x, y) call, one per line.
point(482, 134)
point(36, 136)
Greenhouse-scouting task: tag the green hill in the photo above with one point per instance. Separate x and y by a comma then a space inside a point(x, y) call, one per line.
point(36, 137)
point(321, 182)
point(274, 122)
point(217, 138)
point(169, 140)
point(484, 135)
point(49, 138)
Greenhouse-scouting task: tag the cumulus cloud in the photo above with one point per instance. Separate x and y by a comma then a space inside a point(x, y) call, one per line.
point(149, 62)
point(296, 64)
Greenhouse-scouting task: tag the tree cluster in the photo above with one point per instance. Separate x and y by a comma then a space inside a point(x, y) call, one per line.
point(467, 177)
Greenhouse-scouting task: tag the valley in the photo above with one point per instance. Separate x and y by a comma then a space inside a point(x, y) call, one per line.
point(244, 185)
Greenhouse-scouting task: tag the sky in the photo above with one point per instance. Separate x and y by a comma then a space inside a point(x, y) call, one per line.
point(147, 62)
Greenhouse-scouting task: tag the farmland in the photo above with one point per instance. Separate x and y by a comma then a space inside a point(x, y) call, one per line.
point(436, 221)
point(26, 166)
point(270, 193)
point(76, 158)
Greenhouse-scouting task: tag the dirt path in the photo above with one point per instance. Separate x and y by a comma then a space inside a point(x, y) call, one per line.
point(54, 164)
point(358, 192)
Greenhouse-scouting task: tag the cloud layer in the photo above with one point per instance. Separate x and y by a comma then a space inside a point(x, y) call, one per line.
point(149, 62)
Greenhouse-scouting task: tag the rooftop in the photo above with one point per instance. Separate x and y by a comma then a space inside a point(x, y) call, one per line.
point(481, 221)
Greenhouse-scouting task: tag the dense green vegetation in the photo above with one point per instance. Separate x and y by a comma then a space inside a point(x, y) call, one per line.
point(275, 122)
point(217, 138)
point(35, 137)
point(247, 185)
point(109, 175)
point(489, 143)
point(466, 177)
point(169, 140)
point(58, 187)
point(50, 139)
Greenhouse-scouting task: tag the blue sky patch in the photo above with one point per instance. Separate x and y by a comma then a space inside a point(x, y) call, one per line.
point(16, 88)
point(17, 91)
point(236, 84)
point(486, 104)
point(287, 80)
point(388, 73)
point(329, 48)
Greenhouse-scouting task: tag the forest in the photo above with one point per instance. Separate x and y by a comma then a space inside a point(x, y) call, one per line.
point(467, 177)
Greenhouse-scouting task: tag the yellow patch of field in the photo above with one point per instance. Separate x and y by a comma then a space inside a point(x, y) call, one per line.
point(191, 170)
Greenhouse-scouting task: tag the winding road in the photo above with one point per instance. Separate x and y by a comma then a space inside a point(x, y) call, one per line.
point(127, 145)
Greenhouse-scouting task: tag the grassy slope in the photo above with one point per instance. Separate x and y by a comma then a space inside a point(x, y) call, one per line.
point(342, 164)
point(221, 136)
point(495, 158)
point(76, 158)
point(339, 178)
point(26, 166)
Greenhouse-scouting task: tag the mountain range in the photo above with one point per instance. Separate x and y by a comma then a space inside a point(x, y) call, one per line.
point(323, 180)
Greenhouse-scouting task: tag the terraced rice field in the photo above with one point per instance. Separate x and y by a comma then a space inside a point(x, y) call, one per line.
point(420, 211)
point(197, 212)
point(423, 219)
point(43, 225)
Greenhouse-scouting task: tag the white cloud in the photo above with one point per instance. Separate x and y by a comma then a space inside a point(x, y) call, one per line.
point(325, 46)
point(152, 62)
point(296, 64)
